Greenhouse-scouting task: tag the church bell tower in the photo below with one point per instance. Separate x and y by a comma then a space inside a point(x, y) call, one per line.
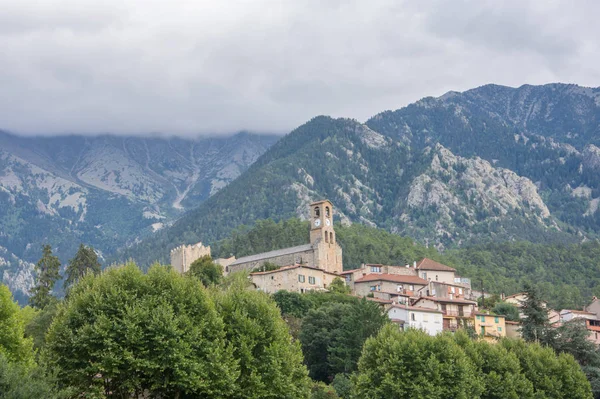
point(321, 222)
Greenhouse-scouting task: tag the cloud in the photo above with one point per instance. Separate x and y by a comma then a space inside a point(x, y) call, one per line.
point(189, 67)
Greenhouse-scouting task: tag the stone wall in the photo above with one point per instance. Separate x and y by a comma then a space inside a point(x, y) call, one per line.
point(296, 279)
point(184, 255)
point(304, 257)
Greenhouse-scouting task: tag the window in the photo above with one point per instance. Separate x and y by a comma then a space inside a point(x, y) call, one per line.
point(301, 278)
point(311, 280)
point(373, 288)
point(496, 320)
point(331, 237)
point(375, 269)
point(272, 278)
point(399, 288)
point(348, 278)
point(424, 275)
point(460, 291)
point(452, 290)
point(436, 277)
point(327, 211)
point(499, 329)
point(411, 287)
point(425, 318)
point(412, 317)
point(317, 212)
point(326, 237)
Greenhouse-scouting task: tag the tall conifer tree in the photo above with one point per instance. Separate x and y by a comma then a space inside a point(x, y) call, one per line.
point(47, 270)
point(85, 261)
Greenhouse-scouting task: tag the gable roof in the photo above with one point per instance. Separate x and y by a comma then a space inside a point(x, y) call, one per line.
point(396, 278)
point(447, 300)
point(273, 254)
point(428, 264)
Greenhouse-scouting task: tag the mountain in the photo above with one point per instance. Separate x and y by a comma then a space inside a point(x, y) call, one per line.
point(105, 191)
point(490, 164)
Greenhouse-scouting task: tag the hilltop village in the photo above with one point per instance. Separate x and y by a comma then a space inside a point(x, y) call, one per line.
point(426, 295)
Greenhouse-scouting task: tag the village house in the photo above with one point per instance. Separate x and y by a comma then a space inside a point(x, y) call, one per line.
point(490, 327)
point(428, 320)
point(389, 283)
point(456, 313)
point(296, 278)
point(513, 329)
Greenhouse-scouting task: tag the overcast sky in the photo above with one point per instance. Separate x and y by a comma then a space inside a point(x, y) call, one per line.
point(189, 67)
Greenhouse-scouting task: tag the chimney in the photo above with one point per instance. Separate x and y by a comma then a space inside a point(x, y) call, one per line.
point(415, 264)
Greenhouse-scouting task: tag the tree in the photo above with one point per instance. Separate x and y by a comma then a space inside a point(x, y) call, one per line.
point(123, 333)
point(270, 362)
point(320, 390)
point(498, 369)
point(412, 364)
point(339, 286)
point(342, 385)
point(508, 310)
point(13, 344)
point(208, 272)
point(292, 303)
point(18, 381)
point(47, 270)
point(37, 327)
point(535, 326)
point(332, 336)
point(85, 261)
point(552, 376)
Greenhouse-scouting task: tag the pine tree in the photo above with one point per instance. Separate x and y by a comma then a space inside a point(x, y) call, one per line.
point(85, 261)
point(47, 270)
point(535, 326)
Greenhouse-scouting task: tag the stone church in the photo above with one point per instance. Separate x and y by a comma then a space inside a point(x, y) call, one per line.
point(323, 252)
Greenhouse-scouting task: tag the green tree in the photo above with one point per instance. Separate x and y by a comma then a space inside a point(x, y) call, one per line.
point(498, 369)
point(535, 326)
point(412, 364)
point(18, 381)
point(208, 272)
point(270, 362)
point(572, 338)
point(332, 336)
point(342, 385)
point(13, 344)
point(292, 303)
point(47, 271)
point(37, 327)
point(85, 261)
point(552, 376)
point(508, 310)
point(320, 390)
point(123, 333)
point(339, 286)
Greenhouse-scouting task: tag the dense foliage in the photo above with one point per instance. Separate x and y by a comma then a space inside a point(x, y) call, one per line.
point(205, 270)
point(413, 364)
point(85, 261)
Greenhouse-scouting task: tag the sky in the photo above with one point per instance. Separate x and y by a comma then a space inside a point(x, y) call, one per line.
point(216, 67)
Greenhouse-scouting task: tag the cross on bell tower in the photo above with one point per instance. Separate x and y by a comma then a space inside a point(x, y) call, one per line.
point(321, 222)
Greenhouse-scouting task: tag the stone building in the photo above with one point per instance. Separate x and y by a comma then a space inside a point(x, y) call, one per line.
point(323, 252)
point(184, 255)
point(296, 278)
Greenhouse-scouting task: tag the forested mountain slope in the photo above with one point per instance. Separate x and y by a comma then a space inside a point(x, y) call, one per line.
point(104, 191)
point(491, 164)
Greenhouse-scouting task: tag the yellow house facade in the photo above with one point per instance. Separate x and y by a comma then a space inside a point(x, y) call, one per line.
point(490, 327)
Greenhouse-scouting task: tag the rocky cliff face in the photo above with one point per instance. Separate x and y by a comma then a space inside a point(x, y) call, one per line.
point(105, 191)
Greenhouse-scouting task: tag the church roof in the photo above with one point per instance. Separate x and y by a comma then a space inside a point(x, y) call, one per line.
point(428, 264)
point(273, 254)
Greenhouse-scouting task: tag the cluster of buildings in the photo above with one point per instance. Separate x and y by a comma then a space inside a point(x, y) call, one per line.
point(426, 295)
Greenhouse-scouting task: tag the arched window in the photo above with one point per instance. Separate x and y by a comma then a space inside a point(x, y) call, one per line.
point(330, 237)
point(317, 212)
point(327, 211)
point(326, 237)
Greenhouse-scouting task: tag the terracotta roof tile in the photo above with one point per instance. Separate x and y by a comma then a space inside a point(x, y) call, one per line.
point(428, 264)
point(448, 300)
